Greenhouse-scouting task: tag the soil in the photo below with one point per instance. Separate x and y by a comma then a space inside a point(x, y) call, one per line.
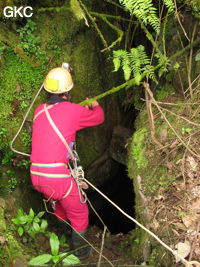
point(116, 249)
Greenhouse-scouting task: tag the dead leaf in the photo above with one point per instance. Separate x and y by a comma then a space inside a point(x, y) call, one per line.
point(3, 240)
point(192, 162)
point(190, 221)
point(183, 249)
point(195, 206)
point(174, 144)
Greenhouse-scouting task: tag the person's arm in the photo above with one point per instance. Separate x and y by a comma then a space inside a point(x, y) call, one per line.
point(91, 115)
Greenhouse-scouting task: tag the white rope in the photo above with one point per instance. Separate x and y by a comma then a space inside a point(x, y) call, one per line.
point(20, 128)
point(187, 263)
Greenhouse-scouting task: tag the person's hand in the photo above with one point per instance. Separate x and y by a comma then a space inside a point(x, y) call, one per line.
point(92, 105)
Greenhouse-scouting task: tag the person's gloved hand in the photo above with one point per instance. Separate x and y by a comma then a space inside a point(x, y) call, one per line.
point(92, 105)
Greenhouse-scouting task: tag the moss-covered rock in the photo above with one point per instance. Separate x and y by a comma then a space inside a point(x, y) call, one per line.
point(159, 182)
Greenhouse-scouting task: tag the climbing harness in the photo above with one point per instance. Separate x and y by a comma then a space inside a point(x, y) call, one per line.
point(77, 171)
point(78, 174)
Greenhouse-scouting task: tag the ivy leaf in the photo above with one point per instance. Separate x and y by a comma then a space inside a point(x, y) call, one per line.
point(54, 243)
point(39, 260)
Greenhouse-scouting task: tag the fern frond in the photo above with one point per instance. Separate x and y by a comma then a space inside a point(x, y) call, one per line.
point(170, 5)
point(117, 56)
point(144, 10)
point(135, 63)
point(150, 73)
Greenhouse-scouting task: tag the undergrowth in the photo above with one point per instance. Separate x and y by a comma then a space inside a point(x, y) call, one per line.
point(19, 82)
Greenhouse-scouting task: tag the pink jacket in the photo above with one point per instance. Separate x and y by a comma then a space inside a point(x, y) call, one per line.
point(69, 118)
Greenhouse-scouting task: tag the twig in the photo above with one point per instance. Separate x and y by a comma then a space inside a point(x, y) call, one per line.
point(119, 32)
point(113, 3)
point(195, 241)
point(185, 262)
point(177, 15)
point(94, 23)
point(167, 121)
point(9, 255)
point(151, 119)
point(97, 14)
point(45, 204)
point(102, 245)
point(190, 62)
point(181, 117)
point(175, 104)
point(101, 220)
point(183, 162)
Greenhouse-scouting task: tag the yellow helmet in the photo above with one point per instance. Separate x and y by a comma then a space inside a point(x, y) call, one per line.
point(58, 80)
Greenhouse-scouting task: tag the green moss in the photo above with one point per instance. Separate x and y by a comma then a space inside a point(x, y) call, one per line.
point(164, 91)
point(19, 81)
point(2, 220)
point(159, 256)
point(138, 147)
point(140, 240)
point(157, 179)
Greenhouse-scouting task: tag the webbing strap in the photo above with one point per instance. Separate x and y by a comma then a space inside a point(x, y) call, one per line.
point(48, 165)
point(58, 132)
point(69, 190)
point(50, 175)
point(42, 110)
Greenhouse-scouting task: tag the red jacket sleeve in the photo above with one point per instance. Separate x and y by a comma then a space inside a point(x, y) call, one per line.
point(90, 117)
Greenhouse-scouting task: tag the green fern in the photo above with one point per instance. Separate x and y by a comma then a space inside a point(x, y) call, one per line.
point(136, 62)
point(164, 63)
point(170, 5)
point(144, 10)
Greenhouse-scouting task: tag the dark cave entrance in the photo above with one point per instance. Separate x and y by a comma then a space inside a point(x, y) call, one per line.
point(120, 190)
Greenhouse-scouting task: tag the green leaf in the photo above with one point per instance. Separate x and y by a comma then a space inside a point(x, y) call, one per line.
point(36, 219)
point(54, 243)
point(20, 231)
point(16, 221)
point(40, 214)
point(31, 213)
point(41, 259)
point(20, 213)
point(23, 219)
point(71, 260)
point(138, 78)
point(197, 57)
point(36, 226)
point(43, 225)
point(55, 258)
